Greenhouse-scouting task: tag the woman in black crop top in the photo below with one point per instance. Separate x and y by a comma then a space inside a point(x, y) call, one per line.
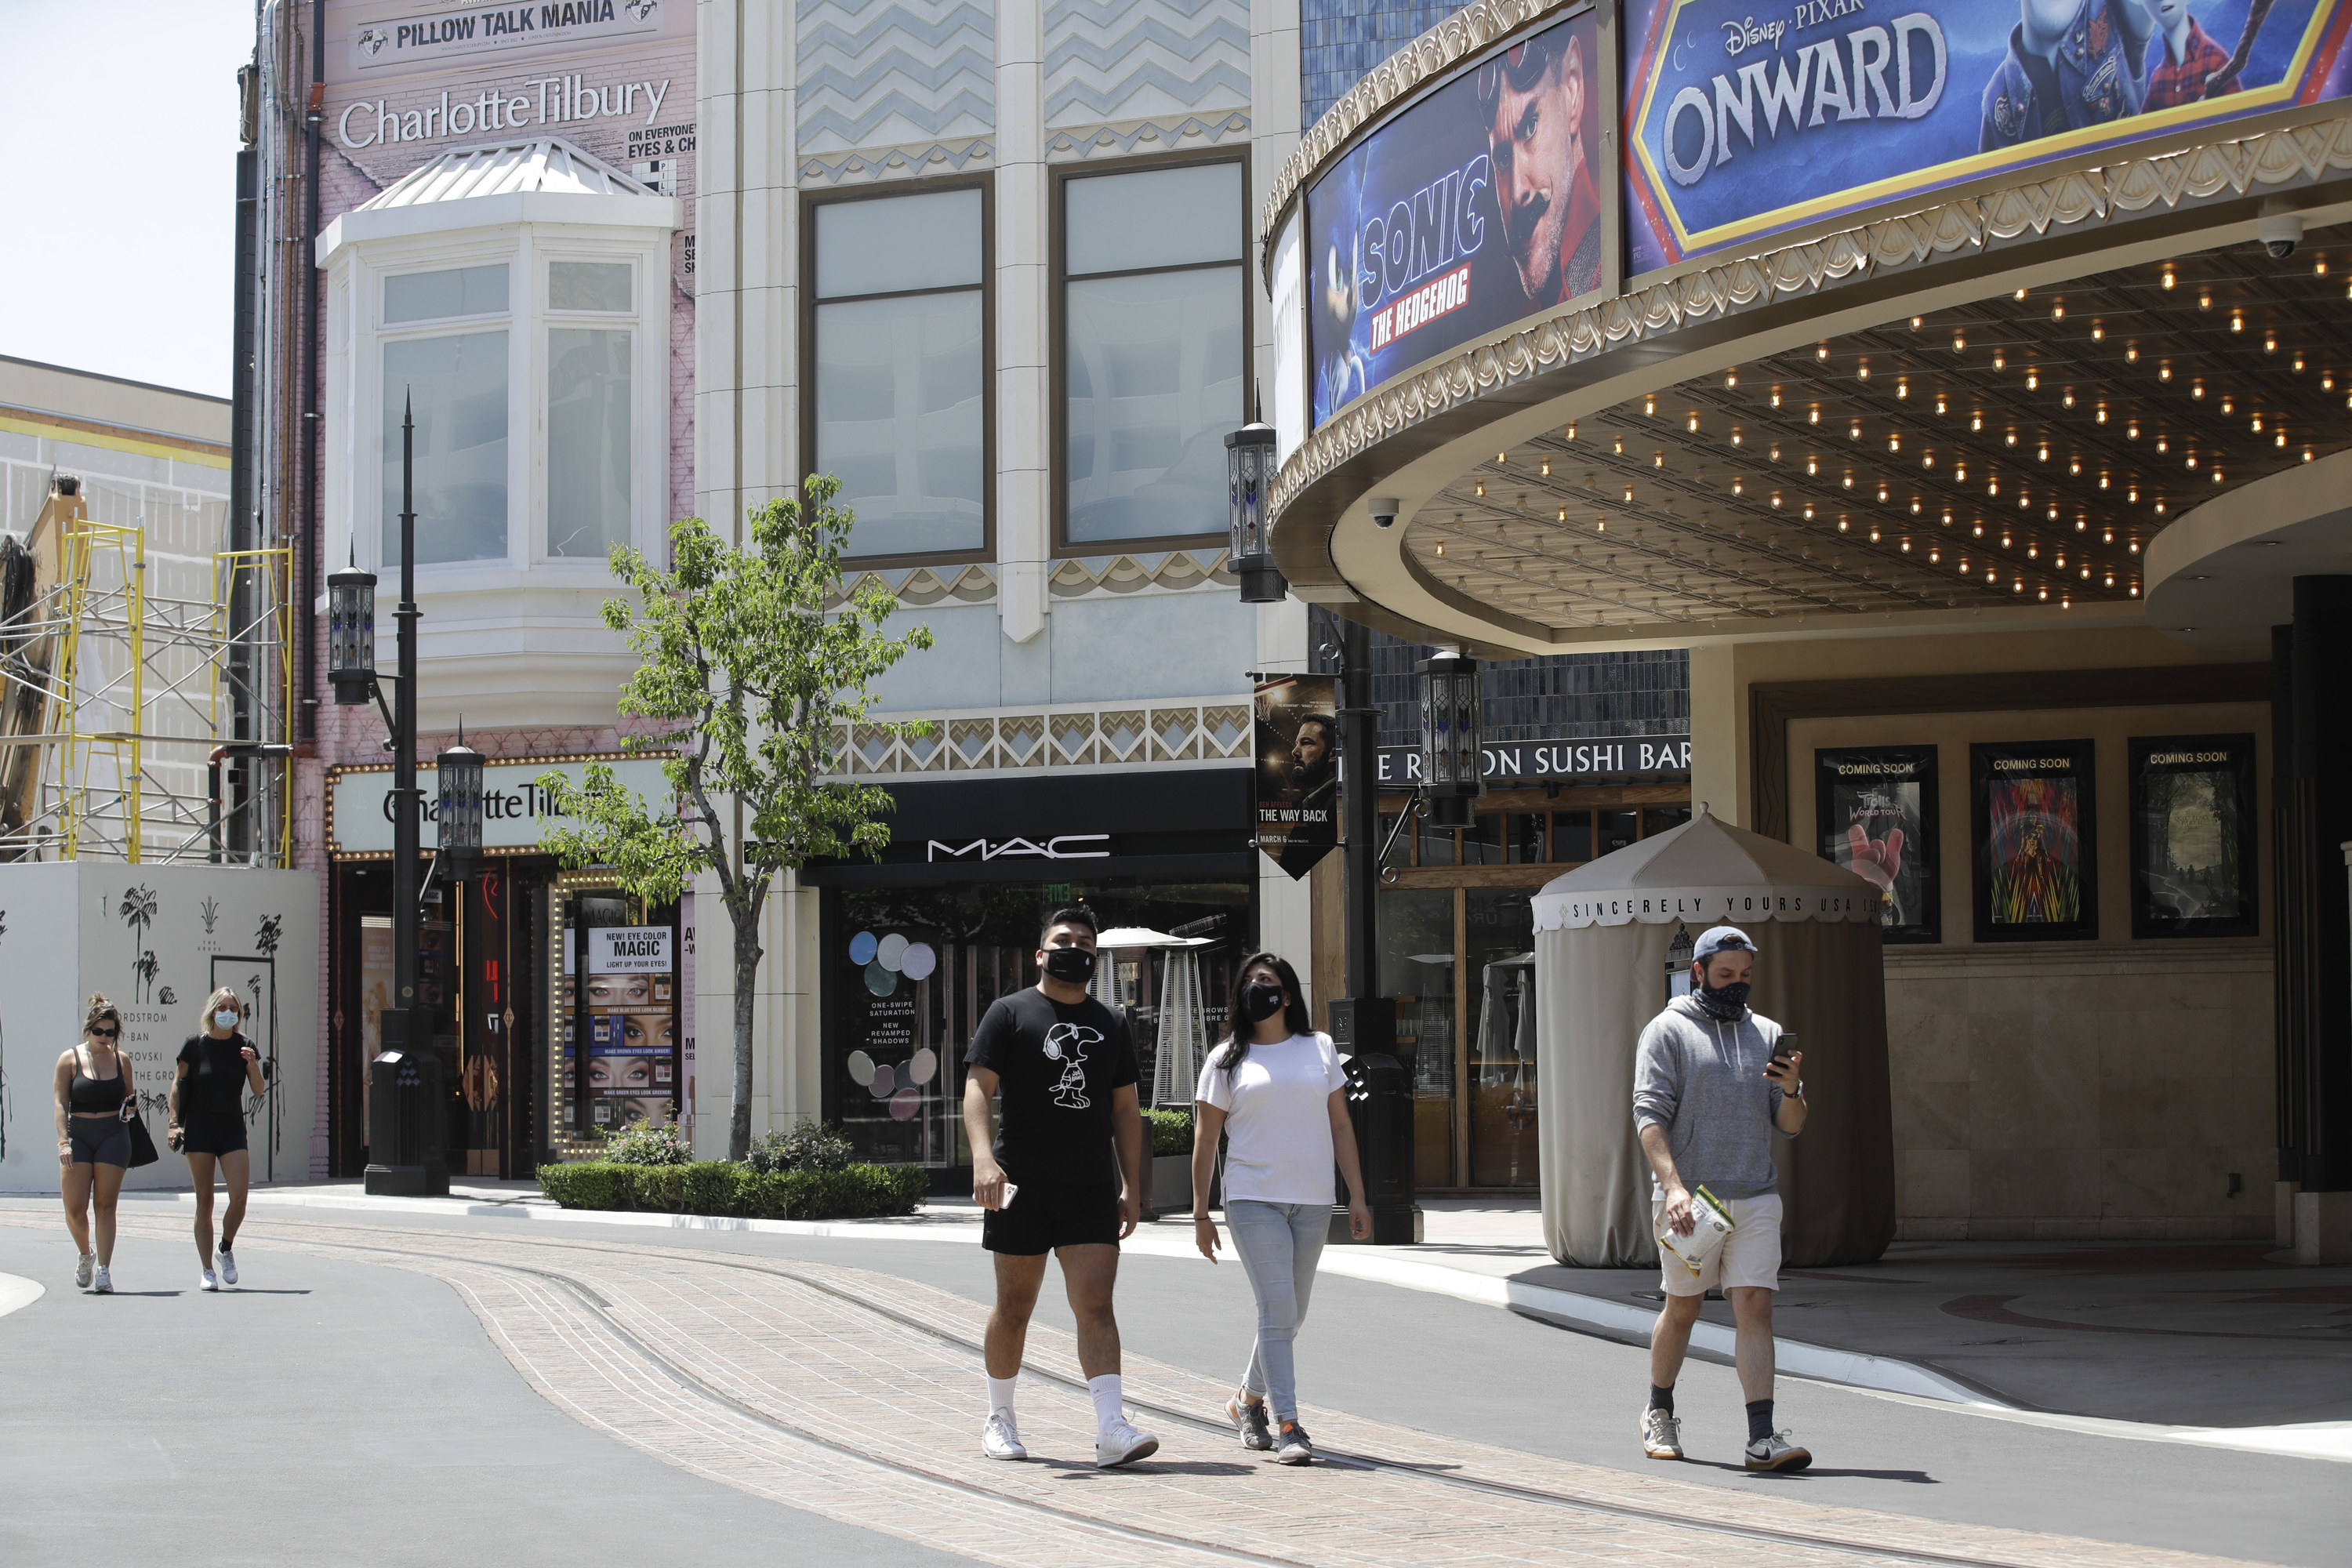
point(95, 1098)
point(214, 1070)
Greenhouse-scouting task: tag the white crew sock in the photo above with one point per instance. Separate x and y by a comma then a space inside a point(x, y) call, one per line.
point(1000, 1394)
point(1107, 1393)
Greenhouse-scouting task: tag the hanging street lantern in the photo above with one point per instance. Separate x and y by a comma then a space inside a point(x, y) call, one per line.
point(351, 636)
point(1249, 465)
point(1678, 963)
point(1452, 767)
point(459, 820)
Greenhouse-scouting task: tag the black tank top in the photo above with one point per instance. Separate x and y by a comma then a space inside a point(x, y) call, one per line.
point(96, 1095)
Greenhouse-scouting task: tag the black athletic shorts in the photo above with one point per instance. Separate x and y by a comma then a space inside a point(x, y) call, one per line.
point(1042, 1217)
point(212, 1132)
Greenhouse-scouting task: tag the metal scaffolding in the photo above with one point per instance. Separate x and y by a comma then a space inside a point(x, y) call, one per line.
point(120, 706)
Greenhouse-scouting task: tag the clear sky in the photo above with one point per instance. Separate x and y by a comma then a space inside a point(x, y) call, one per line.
point(119, 193)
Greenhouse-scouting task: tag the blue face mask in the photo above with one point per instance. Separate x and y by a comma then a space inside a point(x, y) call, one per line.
point(1723, 1001)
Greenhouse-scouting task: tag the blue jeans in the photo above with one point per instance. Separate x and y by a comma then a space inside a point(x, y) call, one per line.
point(1279, 1246)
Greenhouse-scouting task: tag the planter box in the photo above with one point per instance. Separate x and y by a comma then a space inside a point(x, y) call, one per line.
point(1169, 1190)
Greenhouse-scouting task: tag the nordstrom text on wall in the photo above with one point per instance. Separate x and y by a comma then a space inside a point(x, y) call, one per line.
point(541, 101)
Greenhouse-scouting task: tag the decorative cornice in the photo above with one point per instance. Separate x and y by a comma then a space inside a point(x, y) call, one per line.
point(1464, 33)
point(1117, 140)
point(2304, 153)
point(870, 163)
point(1108, 735)
point(1073, 577)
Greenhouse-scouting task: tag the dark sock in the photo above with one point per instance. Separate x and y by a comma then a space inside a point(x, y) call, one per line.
point(1662, 1398)
point(1759, 1420)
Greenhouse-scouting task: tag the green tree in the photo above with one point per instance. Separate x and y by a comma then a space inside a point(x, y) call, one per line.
point(755, 660)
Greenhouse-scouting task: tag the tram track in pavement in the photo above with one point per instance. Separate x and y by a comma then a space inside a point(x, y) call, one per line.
point(683, 1376)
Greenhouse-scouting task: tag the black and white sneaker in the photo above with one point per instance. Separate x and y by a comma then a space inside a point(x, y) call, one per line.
point(1773, 1451)
point(1662, 1434)
point(1249, 1421)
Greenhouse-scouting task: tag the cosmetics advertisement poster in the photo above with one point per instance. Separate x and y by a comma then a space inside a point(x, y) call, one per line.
point(1476, 206)
point(630, 1007)
point(2192, 836)
point(1741, 121)
point(2032, 835)
point(1874, 813)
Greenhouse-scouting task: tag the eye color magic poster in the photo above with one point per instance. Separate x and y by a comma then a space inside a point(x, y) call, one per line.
point(2033, 841)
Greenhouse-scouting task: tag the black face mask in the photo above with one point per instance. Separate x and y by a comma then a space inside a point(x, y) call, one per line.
point(1072, 965)
point(1261, 1001)
point(1723, 1001)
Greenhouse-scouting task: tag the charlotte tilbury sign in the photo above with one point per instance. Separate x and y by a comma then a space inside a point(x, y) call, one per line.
point(514, 808)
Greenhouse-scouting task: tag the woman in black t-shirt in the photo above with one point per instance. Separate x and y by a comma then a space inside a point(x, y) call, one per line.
point(208, 1123)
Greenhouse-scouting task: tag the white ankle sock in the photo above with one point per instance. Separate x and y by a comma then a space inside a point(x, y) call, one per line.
point(1107, 1393)
point(1000, 1394)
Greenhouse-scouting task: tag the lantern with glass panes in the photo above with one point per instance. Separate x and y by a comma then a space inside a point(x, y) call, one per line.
point(1249, 466)
point(1678, 963)
point(459, 819)
point(351, 636)
point(1453, 768)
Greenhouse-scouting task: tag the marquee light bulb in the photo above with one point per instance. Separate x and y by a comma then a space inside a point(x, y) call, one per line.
point(1478, 487)
point(1649, 405)
point(2131, 355)
point(1501, 458)
point(1776, 400)
point(1815, 417)
point(1976, 422)
point(2102, 419)
point(2098, 331)
point(1959, 343)
point(1939, 405)
point(1822, 352)
point(2237, 323)
point(1902, 389)
point(2058, 313)
point(1693, 425)
point(1863, 372)
point(2000, 361)
point(1917, 322)
point(1571, 430)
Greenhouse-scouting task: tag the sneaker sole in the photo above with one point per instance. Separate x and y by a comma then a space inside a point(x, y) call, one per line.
point(1142, 1450)
point(1672, 1453)
point(1305, 1458)
point(1008, 1458)
point(1796, 1461)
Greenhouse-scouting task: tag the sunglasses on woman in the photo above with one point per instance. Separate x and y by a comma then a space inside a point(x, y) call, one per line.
point(105, 1034)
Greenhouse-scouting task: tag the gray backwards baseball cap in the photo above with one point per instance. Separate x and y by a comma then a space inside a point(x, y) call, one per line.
point(1721, 938)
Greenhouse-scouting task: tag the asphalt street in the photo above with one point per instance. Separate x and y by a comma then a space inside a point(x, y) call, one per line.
point(370, 1419)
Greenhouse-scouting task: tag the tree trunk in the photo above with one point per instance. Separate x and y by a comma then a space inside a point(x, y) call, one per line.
point(747, 976)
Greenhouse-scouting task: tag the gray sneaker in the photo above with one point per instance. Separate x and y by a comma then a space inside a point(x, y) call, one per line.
point(1249, 1420)
point(1775, 1452)
point(1662, 1434)
point(1296, 1448)
point(87, 1261)
point(105, 1285)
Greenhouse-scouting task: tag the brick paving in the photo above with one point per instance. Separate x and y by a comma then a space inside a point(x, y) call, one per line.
point(809, 1395)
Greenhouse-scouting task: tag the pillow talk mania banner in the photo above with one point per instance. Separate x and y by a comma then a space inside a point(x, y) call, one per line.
point(1474, 207)
point(1742, 122)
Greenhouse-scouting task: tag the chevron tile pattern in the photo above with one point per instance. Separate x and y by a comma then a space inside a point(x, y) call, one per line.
point(879, 73)
point(1204, 731)
point(1112, 60)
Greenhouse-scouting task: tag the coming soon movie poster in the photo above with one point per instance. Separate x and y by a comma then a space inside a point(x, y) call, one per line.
point(1744, 120)
point(1298, 771)
point(2193, 841)
point(1874, 812)
point(1476, 206)
point(2036, 867)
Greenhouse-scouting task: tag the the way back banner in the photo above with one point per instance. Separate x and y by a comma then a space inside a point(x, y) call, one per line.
point(1477, 205)
point(1743, 120)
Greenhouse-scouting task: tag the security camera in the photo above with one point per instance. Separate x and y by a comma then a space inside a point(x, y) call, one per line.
point(2280, 232)
point(1384, 510)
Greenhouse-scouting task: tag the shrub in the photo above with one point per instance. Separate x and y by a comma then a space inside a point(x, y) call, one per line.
point(721, 1187)
point(1171, 1131)
point(644, 1143)
point(803, 1146)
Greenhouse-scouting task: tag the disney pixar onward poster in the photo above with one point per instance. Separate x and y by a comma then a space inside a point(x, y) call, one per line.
point(1742, 119)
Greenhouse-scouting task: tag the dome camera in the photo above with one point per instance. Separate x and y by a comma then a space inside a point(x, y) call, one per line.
point(2280, 233)
point(1384, 510)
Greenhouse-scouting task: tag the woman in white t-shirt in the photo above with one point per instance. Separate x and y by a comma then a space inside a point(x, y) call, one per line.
point(1277, 1092)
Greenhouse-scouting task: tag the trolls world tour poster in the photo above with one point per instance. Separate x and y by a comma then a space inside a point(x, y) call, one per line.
point(1742, 120)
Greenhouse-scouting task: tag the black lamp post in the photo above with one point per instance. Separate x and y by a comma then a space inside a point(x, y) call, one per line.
point(1249, 465)
point(1453, 765)
point(407, 1146)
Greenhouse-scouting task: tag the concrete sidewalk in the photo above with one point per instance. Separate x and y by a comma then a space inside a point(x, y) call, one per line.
point(2221, 1343)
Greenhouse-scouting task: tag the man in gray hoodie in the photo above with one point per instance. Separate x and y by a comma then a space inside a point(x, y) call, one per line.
point(1710, 1084)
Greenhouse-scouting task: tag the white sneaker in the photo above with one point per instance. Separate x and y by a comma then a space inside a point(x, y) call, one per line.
point(105, 1286)
point(1000, 1440)
point(208, 1282)
point(82, 1267)
point(1121, 1443)
point(227, 1267)
point(1775, 1452)
point(1662, 1434)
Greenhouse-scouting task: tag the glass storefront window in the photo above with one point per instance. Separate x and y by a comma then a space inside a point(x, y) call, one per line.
point(1525, 837)
point(1572, 836)
point(1658, 819)
point(1498, 943)
point(1435, 844)
point(911, 970)
point(1618, 828)
point(1483, 840)
point(1416, 939)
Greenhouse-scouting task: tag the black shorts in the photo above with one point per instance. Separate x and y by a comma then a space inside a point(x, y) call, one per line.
point(1043, 1217)
point(99, 1141)
point(212, 1132)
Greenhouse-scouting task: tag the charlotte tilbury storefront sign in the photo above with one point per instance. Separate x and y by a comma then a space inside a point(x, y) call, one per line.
point(514, 808)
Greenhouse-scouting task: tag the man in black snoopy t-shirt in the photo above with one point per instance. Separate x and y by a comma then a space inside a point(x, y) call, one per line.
point(1060, 1175)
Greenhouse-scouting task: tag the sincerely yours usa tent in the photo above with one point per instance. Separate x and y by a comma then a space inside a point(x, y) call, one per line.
point(1602, 936)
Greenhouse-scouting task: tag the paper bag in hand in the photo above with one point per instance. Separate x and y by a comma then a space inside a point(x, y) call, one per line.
point(1710, 1224)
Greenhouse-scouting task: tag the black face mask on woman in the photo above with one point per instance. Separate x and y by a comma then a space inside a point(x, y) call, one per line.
point(1071, 966)
point(1261, 1001)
